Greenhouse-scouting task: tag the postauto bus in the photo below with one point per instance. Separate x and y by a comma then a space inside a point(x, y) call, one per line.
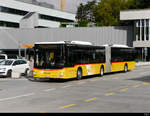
point(76, 59)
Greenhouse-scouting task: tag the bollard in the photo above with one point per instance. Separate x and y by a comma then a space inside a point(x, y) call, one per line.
point(16, 75)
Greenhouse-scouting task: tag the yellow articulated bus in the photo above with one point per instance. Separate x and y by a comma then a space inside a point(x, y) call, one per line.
point(76, 59)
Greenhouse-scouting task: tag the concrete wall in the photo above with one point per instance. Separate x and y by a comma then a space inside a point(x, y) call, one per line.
point(30, 20)
point(12, 38)
point(135, 14)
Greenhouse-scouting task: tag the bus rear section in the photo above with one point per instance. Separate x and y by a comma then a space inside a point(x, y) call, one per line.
point(120, 58)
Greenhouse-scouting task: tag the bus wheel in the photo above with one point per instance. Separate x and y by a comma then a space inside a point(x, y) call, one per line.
point(79, 74)
point(102, 71)
point(125, 68)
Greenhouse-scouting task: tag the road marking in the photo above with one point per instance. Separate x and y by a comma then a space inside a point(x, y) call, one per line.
point(52, 89)
point(110, 93)
point(81, 83)
point(116, 78)
point(146, 83)
point(93, 80)
point(136, 86)
point(91, 99)
point(123, 90)
point(66, 86)
point(67, 106)
point(20, 96)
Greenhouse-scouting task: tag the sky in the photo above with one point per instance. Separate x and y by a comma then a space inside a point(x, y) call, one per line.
point(71, 5)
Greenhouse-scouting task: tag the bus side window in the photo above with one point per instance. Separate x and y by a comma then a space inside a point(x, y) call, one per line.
point(70, 56)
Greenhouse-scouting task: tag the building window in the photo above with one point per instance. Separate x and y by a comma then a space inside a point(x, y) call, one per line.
point(147, 29)
point(9, 24)
point(46, 17)
point(138, 33)
point(142, 33)
point(138, 30)
point(12, 11)
point(142, 22)
point(138, 23)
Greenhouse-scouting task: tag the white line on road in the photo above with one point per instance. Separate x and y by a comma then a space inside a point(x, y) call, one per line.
point(66, 86)
point(93, 80)
point(47, 90)
point(20, 96)
point(81, 83)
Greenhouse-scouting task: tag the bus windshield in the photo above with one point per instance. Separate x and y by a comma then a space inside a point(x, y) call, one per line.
point(49, 56)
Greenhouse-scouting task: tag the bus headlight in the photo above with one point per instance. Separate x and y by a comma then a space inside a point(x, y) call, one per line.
point(61, 74)
point(34, 73)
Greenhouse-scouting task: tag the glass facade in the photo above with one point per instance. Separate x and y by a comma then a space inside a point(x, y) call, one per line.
point(142, 35)
point(142, 30)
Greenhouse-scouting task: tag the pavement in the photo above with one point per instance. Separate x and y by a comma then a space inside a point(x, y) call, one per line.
point(116, 92)
point(142, 63)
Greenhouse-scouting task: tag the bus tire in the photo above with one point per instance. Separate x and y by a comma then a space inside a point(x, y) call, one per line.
point(102, 71)
point(125, 68)
point(79, 74)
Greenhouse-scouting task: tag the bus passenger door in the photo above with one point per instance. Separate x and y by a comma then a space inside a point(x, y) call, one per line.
point(70, 69)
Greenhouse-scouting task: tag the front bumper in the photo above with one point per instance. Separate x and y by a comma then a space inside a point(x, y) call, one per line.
point(3, 73)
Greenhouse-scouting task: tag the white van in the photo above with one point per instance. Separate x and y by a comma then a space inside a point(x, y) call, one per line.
point(5, 57)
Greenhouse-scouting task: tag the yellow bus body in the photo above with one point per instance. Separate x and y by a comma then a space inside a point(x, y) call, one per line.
point(68, 72)
point(119, 66)
point(87, 69)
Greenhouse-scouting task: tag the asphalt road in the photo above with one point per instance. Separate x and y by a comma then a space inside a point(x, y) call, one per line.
point(117, 92)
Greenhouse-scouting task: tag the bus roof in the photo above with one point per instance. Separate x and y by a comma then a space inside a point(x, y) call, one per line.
point(117, 45)
point(66, 42)
point(60, 42)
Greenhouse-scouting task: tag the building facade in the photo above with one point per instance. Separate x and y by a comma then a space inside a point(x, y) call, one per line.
point(14, 39)
point(12, 11)
point(141, 25)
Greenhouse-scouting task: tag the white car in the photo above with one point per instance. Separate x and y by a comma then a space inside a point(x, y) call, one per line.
point(6, 56)
point(16, 65)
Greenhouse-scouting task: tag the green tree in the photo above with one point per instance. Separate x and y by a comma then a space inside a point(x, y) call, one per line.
point(139, 4)
point(107, 12)
point(85, 13)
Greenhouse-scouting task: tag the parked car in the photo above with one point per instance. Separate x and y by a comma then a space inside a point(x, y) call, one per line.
point(7, 56)
point(16, 65)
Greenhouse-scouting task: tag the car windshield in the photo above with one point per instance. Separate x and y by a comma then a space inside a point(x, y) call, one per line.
point(6, 62)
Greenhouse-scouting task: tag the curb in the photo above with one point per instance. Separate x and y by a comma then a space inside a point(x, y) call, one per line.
point(142, 63)
point(1, 79)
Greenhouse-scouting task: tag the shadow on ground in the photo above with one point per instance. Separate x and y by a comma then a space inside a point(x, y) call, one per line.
point(68, 80)
point(143, 79)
